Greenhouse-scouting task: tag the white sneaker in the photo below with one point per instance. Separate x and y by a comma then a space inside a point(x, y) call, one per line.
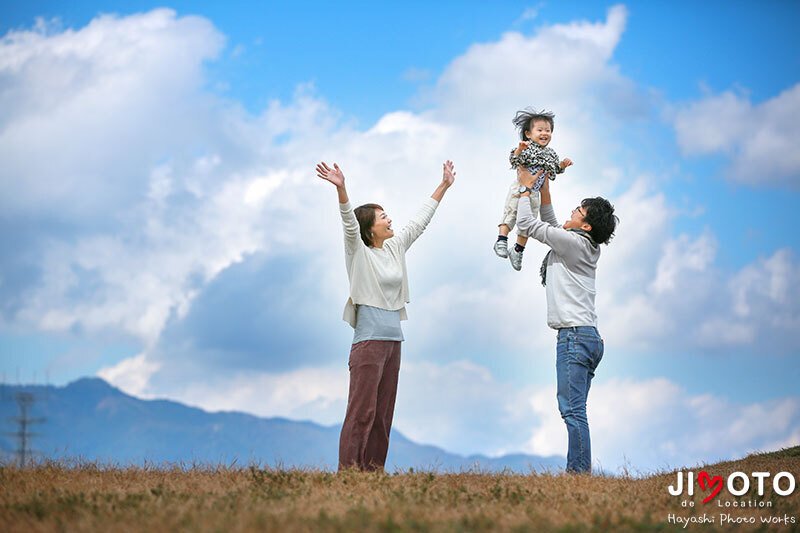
point(516, 259)
point(501, 248)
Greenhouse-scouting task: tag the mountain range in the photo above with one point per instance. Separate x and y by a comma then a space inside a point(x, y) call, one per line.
point(90, 420)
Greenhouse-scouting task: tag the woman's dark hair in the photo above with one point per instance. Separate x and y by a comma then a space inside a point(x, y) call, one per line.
point(600, 215)
point(365, 214)
point(525, 118)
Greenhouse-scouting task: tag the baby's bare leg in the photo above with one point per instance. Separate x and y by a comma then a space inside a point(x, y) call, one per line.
point(521, 240)
point(504, 230)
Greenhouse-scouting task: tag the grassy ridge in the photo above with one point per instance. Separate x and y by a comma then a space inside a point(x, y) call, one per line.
point(90, 498)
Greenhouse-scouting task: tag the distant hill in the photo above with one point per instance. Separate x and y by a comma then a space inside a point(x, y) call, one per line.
point(91, 420)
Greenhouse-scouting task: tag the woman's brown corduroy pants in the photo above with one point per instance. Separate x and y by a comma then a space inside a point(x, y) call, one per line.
point(374, 368)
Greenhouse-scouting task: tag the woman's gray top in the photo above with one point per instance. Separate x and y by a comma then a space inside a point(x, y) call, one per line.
point(376, 324)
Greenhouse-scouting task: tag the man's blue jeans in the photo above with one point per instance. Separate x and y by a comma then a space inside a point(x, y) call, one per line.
point(578, 353)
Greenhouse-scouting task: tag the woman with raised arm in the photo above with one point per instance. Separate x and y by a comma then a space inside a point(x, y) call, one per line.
point(376, 266)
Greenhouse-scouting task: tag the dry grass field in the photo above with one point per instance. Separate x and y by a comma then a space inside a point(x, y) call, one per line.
point(91, 498)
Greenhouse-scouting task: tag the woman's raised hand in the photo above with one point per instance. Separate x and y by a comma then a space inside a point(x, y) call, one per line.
point(334, 175)
point(448, 173)
point(448, 177)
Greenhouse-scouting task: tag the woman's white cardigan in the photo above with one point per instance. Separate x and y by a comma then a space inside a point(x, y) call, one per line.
point(378, 275)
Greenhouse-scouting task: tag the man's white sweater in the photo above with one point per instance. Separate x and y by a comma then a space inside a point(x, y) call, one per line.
point(571, 268)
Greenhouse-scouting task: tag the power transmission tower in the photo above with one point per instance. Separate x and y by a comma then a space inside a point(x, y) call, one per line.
point(24, 400)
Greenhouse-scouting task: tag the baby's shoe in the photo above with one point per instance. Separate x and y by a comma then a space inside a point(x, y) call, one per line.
point(516, 259)
point(501, 248)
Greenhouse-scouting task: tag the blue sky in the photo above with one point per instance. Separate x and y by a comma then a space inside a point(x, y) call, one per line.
point(161, 225)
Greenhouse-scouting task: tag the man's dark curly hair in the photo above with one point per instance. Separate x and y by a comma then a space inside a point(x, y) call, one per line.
point(600, 215)
point(524, 119)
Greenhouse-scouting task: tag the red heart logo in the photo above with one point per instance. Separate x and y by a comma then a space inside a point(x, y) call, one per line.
point(707, 482)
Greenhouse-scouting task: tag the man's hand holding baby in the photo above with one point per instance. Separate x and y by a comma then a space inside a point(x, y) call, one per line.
point(525, 177)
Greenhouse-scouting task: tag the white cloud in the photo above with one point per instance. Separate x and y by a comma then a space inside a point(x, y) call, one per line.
point(109, 130)
point(768, 284)
point(131, 374)
point(762, 304)
point(318, 394)
point(461, 407)
point(683, 257)
point(673, 290)
point(570, 65)
point(134, 280)
point(602, 36)
point(691, 304)
point(84, 111)
point(759, 139)
point(529, 14)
